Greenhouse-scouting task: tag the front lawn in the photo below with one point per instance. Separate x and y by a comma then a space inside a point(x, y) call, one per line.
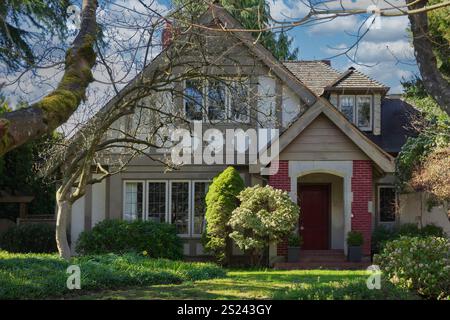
point(267, 284)
point(40, 276)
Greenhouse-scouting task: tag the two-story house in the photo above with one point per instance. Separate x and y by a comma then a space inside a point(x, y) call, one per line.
point(339, 135)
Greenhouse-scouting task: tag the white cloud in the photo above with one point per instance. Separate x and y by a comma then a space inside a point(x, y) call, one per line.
point(336, 25)
point(371, 53)
point(287, 9)
point(391, 28)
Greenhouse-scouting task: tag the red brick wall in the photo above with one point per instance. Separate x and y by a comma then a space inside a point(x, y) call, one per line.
point(281, 181)
point(362, 193)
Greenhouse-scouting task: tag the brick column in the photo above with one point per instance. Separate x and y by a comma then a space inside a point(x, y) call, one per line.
point(362, 185)
point(282, 181)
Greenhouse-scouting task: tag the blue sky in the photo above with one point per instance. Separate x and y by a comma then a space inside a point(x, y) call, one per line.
point(384, 53)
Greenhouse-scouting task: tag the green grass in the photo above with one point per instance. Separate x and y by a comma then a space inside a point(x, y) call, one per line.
point(267, 284)
point(40, 276)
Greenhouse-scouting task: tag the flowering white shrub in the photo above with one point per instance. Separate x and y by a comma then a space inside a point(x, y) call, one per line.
point(265, 215)
point(418, 263)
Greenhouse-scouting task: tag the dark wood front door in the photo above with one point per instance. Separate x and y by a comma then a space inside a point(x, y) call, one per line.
point(314, 202)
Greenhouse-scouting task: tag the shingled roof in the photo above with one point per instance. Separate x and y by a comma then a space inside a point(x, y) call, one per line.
point(353, 79)
point(316, 75)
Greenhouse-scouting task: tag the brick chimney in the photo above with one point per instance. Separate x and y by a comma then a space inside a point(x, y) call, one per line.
point(167, 35)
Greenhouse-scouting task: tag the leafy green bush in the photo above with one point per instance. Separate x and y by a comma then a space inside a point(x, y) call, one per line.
point(221, 200)
point(29, 238)
point(265, 215)
point(383, 234)
point(418, 263)
point(37, 276)
point(355, 238)
point(157, 240)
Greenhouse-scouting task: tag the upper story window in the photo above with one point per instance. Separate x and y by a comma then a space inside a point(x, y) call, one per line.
point(357, 109)
point(193, 100)
point(217, 100)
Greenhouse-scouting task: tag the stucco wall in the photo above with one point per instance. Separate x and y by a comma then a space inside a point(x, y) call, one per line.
point(413, 209)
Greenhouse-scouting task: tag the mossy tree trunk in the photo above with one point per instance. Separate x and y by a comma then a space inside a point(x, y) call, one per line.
point(44, 116)
point(433, 80)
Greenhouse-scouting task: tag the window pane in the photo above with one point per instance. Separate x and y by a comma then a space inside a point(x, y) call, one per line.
point(216, 101)
point(387, 205)
point(180, 206)
point(239, 104)
point(193, 100)
point(133, 207)
point(347, 105)
point(200, 191)
point(364, 111)
point(157, 201)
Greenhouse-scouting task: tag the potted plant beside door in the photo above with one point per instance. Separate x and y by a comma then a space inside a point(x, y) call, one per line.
point(294, 244)
point(355, 241)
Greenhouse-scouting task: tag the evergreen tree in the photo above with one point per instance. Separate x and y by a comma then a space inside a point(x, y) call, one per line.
point(254, 15)
point(221, 200)
point(24, 23)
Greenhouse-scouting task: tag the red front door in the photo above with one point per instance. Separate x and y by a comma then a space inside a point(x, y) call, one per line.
point(314, 205)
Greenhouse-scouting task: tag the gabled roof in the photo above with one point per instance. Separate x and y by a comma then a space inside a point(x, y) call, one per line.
point(382, 160)
point(225, 21)
point(353, 79)
point(316, 74)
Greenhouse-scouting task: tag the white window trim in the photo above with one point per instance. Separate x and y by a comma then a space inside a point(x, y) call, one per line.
point(147, 182)
point(144, 197)
point(192, 211)
point(169, 215)
point(369, 128)
point(168, 190)
point(379, 207)
point(354, 104)
point(205, 104)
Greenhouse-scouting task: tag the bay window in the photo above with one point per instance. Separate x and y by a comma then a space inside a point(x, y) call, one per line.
point(181, 203)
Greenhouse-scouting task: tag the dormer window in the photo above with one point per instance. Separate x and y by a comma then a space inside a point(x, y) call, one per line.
point(364, 112)
point(358, 110)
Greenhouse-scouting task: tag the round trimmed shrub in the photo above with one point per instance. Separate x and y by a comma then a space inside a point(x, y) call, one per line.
point(421, 264)
point(156, 240)
point(29, 238)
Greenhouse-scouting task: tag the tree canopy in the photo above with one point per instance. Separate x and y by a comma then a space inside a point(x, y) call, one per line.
point(24, 23)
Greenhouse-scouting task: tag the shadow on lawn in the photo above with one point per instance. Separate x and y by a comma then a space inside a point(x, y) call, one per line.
point(314, 284)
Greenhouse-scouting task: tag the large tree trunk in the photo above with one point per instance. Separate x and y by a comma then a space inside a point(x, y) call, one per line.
point(435, 84)
point(64, 207)
point(20, 126)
